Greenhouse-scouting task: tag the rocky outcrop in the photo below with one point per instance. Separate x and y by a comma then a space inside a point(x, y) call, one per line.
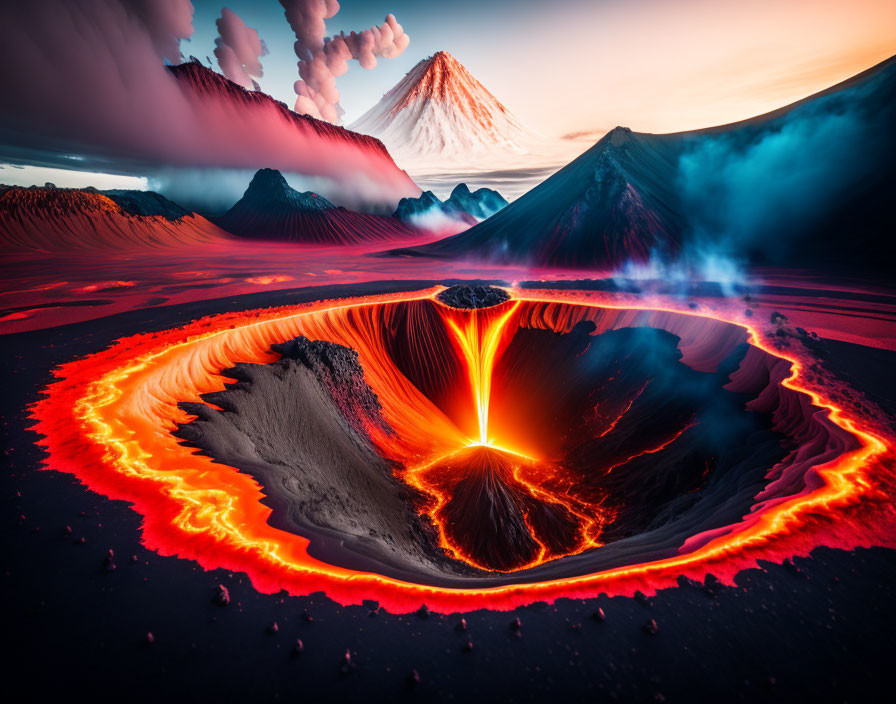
point(466, 296)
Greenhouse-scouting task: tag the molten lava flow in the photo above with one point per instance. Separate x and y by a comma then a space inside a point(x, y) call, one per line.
point(501, 511)
point(108, 419)
point(479, 334)
point(501, 485)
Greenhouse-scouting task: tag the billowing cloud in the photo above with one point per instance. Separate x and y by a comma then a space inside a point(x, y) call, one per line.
point(322, 59)
point(88, 89)
point(239, 49)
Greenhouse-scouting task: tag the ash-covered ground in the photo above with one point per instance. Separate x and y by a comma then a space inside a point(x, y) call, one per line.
point(819, 628)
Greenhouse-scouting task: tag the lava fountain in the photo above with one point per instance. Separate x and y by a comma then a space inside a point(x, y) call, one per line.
point(470, 450)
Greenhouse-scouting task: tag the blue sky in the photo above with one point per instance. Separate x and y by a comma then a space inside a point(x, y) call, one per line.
point(571, 65)
point(465, 28)
point(585, 66)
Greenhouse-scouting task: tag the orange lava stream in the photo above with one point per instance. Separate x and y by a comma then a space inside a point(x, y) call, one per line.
point(479, 334)
point(107, 419)
point(653, 450)
point(609, 429)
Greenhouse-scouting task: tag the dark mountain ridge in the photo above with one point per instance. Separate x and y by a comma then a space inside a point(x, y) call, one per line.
point(271, 209)
point(809, 184)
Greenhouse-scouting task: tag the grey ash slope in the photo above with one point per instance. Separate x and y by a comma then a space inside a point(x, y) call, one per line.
point(297, 426)
point(811, 184)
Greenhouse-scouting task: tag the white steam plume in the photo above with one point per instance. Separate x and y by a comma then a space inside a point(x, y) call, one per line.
point(239, 49)
point(322, 59)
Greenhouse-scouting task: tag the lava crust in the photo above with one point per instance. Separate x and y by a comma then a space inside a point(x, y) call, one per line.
point(466, 296)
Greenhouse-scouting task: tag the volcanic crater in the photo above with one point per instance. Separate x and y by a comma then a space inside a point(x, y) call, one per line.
point(472, 439)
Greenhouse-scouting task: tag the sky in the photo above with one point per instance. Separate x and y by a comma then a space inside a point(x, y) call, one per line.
point(568, 66)
point(577, 68)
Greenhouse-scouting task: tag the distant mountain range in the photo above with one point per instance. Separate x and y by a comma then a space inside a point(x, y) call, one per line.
point(462, 209)
point(70, 219)
point(809, 184)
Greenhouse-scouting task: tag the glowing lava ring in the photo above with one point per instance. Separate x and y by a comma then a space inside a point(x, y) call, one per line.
point(109, 419)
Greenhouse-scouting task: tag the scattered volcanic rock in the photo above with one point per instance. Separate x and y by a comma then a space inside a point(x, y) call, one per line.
point(72, 219)
point(271, 209)
point(466, 296)
point(439, 112)
point(346, 664)
point(222, 595)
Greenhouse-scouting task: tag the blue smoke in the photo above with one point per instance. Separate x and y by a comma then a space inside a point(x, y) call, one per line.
point(761, 192)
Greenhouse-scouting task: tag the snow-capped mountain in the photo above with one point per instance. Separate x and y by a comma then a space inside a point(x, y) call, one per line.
point(439, 114)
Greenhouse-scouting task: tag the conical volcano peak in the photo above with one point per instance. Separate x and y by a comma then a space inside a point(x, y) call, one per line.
point(269, 181)
point(442, 68)
point(442, 60)
point(442, 56)
point(441, 77)
point(269, 187)
point(440, 113)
